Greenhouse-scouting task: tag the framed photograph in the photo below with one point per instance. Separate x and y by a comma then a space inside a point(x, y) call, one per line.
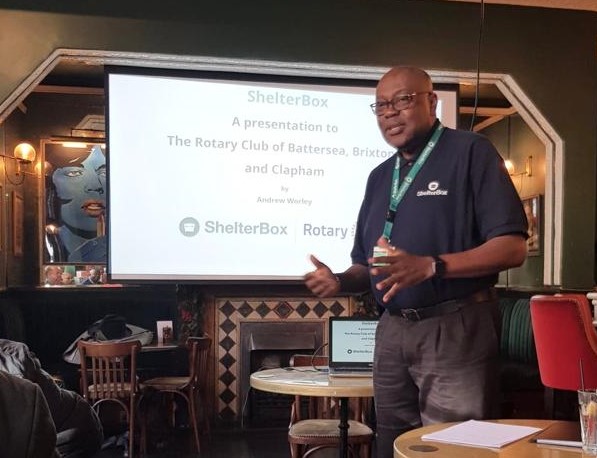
point(18, 218)
point(164, 334)
point(73, 275)
point(532, 208)
point(74, 207)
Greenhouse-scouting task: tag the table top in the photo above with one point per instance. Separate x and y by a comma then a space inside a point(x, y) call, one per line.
point(410, 444)
point(159, 346)
point(307, 381)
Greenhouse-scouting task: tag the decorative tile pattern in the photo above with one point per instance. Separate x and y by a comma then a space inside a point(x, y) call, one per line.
point(228, 314)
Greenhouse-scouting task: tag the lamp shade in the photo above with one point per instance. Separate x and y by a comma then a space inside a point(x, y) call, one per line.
point(24, 152)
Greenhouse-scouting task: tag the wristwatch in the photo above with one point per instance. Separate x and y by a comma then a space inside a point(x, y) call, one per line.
point(438, 267)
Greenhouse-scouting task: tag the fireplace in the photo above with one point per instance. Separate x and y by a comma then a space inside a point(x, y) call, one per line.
point(232, 354)
point(266, 345)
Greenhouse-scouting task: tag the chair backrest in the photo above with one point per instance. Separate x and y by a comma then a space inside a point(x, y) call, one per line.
point(108, 369)
point(198, 358)
point(323, 407)
point(314, 407)
point(300, 360)
point(565, 338)
point(517, 342)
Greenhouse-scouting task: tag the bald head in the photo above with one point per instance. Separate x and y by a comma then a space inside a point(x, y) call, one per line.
point(417, 77)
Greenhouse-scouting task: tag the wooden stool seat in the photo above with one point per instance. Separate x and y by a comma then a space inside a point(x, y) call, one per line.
point(166, 383)
point(325, 428)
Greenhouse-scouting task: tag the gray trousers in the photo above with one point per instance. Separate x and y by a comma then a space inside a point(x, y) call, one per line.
point(439, 369)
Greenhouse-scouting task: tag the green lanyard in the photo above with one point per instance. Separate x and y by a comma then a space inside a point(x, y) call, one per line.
point(399, 189)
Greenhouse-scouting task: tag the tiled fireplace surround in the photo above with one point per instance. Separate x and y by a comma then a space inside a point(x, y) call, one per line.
point(223, 318)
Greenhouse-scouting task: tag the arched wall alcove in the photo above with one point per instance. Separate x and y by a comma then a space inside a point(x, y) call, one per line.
point(554, 148)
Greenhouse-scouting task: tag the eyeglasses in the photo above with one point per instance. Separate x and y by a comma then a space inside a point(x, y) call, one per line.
point(400, 102)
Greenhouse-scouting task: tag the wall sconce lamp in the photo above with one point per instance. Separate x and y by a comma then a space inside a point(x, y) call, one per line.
point(23, 154)
point(528, 167)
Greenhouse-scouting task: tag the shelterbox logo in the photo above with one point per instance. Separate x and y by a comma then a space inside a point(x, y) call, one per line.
point(433, 190)
point(189, 227)
point(237, 227)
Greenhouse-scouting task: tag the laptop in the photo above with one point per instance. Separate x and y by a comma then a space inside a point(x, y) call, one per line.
point(351, 344)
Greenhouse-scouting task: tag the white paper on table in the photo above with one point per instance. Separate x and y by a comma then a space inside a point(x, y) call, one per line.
point(481, 434)
point(295, 377)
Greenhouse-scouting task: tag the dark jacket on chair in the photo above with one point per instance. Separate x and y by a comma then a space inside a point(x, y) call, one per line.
point(79, 431)
point(26, 427)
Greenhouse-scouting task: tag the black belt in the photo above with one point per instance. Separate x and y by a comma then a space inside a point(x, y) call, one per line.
point(446, 307)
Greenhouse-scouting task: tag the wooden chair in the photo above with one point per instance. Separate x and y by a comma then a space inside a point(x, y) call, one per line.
point(109, 375)
point(319, 429)
point(565, 339)
point(190, 387)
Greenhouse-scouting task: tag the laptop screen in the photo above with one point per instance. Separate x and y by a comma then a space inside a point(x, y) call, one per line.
point(351, 342)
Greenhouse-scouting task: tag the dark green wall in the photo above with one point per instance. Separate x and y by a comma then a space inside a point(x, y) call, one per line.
point(550, 53)
point(514, 140)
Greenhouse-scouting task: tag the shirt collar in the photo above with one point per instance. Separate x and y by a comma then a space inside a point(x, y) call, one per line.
point(418, 146)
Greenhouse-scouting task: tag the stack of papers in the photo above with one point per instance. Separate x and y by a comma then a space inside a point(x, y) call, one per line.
point(481, 434)
point(292, 377)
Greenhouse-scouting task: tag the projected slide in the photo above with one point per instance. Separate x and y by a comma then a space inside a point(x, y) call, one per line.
point(218, 179)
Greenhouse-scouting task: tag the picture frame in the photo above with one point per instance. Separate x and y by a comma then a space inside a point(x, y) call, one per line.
point(164, 332)
point(74, 201)
point(532, 209)
point(18, 220)
point(72, 275)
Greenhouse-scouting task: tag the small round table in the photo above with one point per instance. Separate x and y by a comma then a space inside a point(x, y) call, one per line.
point(410, 444)
point(308, 382)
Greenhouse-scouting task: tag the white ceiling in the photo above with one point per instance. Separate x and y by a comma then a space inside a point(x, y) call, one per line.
point(587, 5)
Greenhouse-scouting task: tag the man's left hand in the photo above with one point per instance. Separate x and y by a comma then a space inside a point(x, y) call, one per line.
point(401, 269)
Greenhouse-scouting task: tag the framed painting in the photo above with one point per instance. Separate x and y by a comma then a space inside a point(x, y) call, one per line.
point(532, 209)
point(18, 218)
point(74, 201)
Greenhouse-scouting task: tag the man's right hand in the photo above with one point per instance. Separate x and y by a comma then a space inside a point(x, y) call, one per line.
point(322, 282)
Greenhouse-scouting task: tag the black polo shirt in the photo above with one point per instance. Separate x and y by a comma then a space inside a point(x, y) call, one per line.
point(462, 197)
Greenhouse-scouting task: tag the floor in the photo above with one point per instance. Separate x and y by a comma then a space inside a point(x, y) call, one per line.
point(256, 443)
point(225, 443)
point(267, 440)
point(264, 438)
point(229, 443)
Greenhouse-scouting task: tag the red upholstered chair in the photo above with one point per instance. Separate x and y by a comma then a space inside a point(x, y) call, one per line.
point(564, 337)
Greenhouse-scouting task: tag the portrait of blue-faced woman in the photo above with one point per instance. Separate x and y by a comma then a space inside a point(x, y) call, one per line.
point(75, 203)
